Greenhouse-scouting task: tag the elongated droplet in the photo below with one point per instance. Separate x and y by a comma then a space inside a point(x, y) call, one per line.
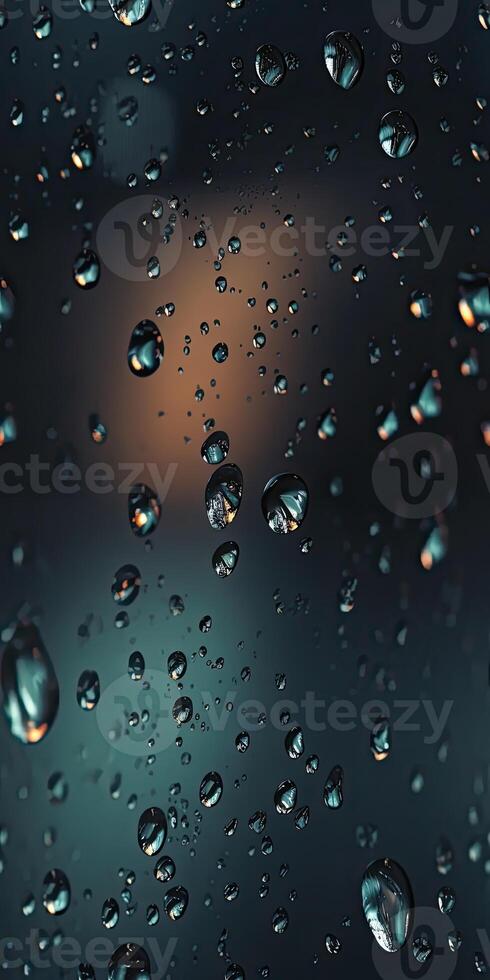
point(56, 892)
point(211, 789)
point(144, 510)
point(225, 558)
point(145, 351)
point(285, 796)
point(223, 495)
point(344, 58)
point(129, 962)
point(126, 585)
point(175, 902)
point(30, 688)
point(152, 830)
point(387, 902)
point(285, 503)
point(88, 690)
point(333, 794)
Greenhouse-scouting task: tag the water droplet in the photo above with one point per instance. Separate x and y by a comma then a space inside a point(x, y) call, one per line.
point(387, 902)
point(398, 134)
point(225, 558)
point(88, 690)
point(29, 684)
point(223, 496)
point(86, 269)
point(285, 503)
point(164, 869)
point(211, 789)
point(110, 913)
point(175, 902)
point(215, 448)
point(152, 830)
point(56, 892)
point(295, 743)
point(270, 65)
point(145, 351)
point(126, 585)
point(130, 12)
point(381, 739)
point(176, 665)
point(343, 58)
point(82, 148)
point(446, 900)
point(129, 962)
point(144, 510)
point(285, 796)
point(333, 792)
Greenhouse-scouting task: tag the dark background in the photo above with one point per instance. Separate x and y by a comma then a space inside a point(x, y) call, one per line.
point(57, 369)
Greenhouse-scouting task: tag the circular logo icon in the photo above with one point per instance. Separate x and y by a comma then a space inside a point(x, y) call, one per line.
point(129, 236)
point(135, 717)
point(416, 476)
point(404, 965)
point(415, 21)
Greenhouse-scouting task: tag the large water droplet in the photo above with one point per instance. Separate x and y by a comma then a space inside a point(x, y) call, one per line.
point(344, 58)
point(270, 65)
point(130, 12)
point(387, 901)
point(152, 830)
point(144, 510)
point(29, 684)
point(285, 502)
point(223, 495)
point(398, 133)
point(145, 349)
point(129, 962)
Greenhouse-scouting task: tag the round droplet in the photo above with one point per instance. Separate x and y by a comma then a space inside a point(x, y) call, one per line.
point(223, 496)
point(144, 510)
point(225, 558)
point(344, 58)
point(30, 688)
point(215, 448)
point(387, 902)
point(211, 789)
point(129, 962)
point(285, 503)
point(145, 351)
point(175, 902)
point(86, 269)
point(270, 65)
point(152, 830)
point(56, 892)
point(398, 134)
point(88, 690)
point(126, 585)
point(220, 353)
